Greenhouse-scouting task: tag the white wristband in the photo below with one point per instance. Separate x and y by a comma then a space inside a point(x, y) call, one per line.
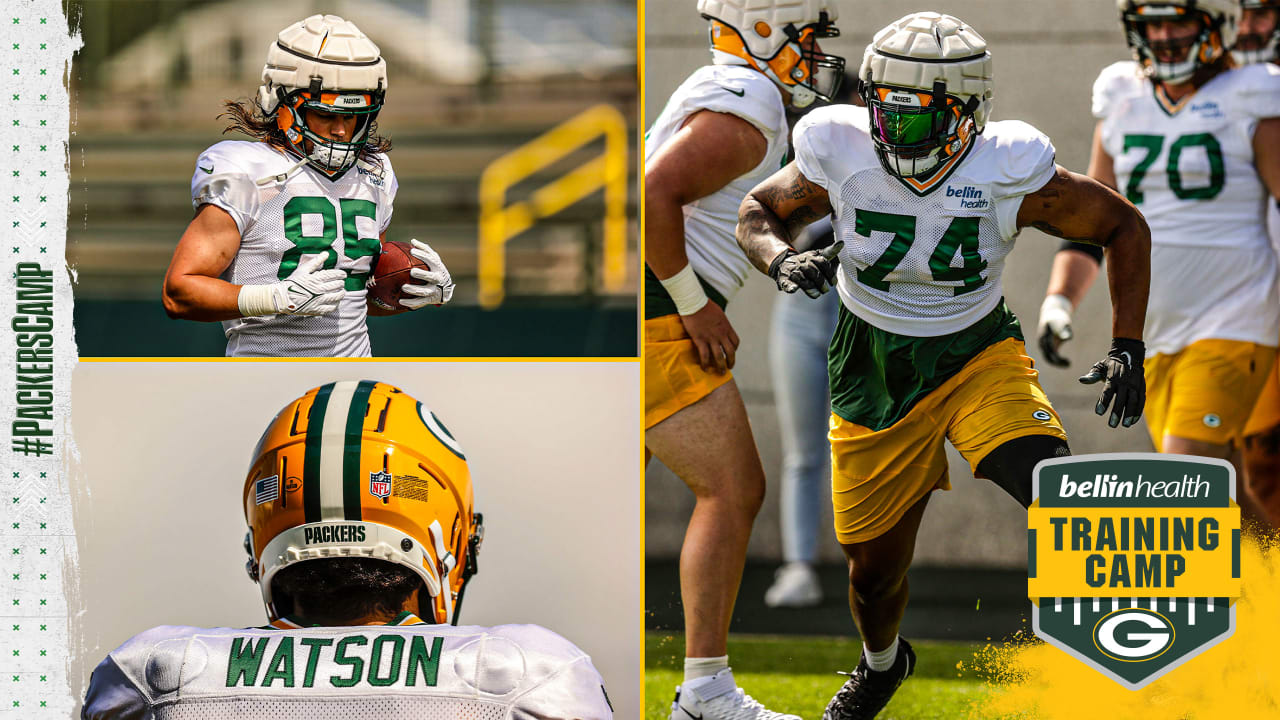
point(685, 291)
point(257, 300)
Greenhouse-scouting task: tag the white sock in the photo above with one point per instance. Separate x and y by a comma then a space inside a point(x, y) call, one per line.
point(879, 661)
point(705, 667)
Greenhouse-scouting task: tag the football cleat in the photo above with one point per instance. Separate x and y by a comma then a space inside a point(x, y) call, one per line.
point(1219, 22)
point(323, 64)
point(362, 470)
point(780, 39)
point(926, 80)
point(794, 585)
point(718, 697)
point(866, 692)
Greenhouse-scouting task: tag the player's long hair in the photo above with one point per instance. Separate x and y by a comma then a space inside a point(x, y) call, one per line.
point(339, 591)
point(248, 117)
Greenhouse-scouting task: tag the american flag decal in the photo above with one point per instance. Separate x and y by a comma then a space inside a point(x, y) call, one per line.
point(266, 489)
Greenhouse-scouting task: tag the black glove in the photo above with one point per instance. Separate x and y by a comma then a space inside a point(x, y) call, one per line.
point(1123, 379)
point(814, 271)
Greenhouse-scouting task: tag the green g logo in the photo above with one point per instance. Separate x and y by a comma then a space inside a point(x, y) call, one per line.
point(1133, 634)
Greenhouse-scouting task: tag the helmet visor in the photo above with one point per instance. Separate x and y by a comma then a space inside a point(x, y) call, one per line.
point(899, 127)
point(910, 122)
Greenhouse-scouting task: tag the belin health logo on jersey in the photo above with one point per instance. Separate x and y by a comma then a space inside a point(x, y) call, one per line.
point(1134, 560)
point(967, 197)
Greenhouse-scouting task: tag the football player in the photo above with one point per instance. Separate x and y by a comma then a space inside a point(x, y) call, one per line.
point(927, 198)
point(1195, 144)
point(1256, 43)
point(362, 538)
point(288, 227)
point(722, 131)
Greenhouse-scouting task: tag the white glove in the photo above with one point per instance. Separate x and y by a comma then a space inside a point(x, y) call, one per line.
point(1054, 328)
point(307, 291)
point(435, 288)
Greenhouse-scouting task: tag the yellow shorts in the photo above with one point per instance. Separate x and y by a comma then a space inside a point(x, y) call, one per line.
point(1206, 391)
point(1266, 412)
point(878, 475)
point(673, 379)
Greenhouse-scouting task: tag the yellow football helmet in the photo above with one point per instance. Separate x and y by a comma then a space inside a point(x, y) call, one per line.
point(361, 469)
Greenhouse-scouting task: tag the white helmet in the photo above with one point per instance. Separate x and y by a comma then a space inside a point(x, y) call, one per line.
point(1219, 22)
point(325, 64)
point(779, 38)
point(926, 80)
point(1261, 49)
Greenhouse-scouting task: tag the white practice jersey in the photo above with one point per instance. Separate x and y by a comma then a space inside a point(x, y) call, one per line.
point(922, 264)
point(282, 222)
point(377, 672)
point(709, 223)
point(1190, 170)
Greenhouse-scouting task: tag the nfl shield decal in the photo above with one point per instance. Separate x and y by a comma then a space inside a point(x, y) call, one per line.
point(380, 484)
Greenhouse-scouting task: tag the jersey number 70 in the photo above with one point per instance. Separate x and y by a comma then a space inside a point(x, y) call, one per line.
point(1153, 144)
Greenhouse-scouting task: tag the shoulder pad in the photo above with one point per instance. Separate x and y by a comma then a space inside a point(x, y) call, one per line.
point(740, 91)
point(1255, 90)
point(1022, 157)
point(832, 142)
point(1117, 82)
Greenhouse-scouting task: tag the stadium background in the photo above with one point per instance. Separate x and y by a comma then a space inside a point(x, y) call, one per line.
point(468, 82)
point(969, 578)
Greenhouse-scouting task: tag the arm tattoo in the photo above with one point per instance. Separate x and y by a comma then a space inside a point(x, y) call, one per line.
point(762, 231)
point(761, 234)
point(800, 218)
point(800, 188)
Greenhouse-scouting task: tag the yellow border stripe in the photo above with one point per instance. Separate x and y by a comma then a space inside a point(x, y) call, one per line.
point(640, 130)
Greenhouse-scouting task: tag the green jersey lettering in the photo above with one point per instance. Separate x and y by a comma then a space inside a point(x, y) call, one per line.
point(340, 657)
point(313, 658)
point(281, 666)
point(375, 660)
point(428, 661)
point(243, 661)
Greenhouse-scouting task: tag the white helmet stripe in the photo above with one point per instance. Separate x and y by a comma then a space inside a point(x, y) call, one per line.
point(333, 437)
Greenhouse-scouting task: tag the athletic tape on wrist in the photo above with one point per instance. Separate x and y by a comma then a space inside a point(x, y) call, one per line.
point(256, 300)
point(685, 291)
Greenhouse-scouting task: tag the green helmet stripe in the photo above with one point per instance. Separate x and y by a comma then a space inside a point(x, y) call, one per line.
point(351, 480)
point(311, 456)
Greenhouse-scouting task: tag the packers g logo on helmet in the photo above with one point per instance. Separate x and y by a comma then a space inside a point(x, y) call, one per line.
point(323, 64)
point(779, 38)
point(370, 472)
point(1219, 22)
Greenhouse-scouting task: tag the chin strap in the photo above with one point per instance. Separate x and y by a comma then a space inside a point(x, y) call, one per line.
point(262, 182)
point(281, 177)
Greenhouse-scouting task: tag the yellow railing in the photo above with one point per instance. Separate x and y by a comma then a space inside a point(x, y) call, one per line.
point(499, 222)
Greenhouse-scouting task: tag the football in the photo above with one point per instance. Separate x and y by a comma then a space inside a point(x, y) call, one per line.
point(391, 271)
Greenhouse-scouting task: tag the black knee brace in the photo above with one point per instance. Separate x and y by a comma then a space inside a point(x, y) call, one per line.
point(1011, 464)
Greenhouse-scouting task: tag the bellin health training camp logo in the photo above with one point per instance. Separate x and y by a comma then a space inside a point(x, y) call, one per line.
point(1134, 560)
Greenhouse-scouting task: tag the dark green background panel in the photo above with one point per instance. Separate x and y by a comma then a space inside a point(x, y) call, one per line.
point(132, 328)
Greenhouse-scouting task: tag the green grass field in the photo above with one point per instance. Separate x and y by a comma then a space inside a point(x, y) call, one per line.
point(798, 675)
